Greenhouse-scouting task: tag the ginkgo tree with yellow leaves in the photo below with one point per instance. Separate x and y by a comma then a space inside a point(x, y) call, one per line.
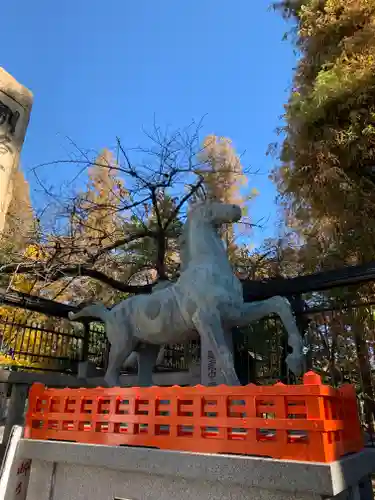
point(225, 179)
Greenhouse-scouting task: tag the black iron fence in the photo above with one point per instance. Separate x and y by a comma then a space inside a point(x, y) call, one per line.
point(332, 332)
point(334, 310)
point(179, 357)
point(48, 344)
point(51, 344)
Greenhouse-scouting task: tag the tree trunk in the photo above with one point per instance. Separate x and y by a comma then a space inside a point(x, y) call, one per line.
point(160, 256)
point(365, 374)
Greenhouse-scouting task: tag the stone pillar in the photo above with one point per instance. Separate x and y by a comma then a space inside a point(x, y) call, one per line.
point(16, 410)
point(3, 401)
point(15, 107)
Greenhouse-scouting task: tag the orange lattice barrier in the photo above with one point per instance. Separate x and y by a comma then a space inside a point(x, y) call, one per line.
point(311, 422)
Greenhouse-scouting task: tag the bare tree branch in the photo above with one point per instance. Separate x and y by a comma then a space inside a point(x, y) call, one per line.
point(118, 223)
point(77, 271)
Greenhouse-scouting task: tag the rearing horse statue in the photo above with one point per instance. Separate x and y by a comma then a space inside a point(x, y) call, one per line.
point(207, 298)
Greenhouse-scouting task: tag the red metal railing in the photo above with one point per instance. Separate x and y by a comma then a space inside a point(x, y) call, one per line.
point(310, 422)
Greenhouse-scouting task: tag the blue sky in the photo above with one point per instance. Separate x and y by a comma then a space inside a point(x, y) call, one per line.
point(104, 69)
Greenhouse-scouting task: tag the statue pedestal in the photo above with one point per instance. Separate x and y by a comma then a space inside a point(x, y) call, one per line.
point(67, 471)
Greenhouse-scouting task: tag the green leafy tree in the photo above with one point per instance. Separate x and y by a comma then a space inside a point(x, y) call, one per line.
point(326, 176)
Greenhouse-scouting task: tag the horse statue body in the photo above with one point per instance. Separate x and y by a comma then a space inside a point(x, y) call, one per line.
point(133, 361)
point(207, 298)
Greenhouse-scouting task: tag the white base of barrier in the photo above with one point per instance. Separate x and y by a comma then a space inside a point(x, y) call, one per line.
point(15, 469)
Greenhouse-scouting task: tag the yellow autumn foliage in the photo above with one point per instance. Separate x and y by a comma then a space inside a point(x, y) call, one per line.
point(222, 170)
point(7, 360)
point(20, 329)
point(327, 157)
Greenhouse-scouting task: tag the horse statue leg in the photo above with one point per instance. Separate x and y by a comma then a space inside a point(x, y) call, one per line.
point(280, 306)
point(119, 336)
point(132, 361)
point(147, 359)
point(209, 326)
point(122, 346)
point(143, 360)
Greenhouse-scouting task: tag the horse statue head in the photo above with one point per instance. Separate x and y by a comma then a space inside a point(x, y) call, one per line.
point(200, 235)
point(215, 212)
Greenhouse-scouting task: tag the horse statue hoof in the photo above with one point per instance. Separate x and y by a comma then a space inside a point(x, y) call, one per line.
point(295, 364)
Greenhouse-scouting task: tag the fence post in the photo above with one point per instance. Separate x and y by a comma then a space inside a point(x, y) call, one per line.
point(299, 306)
point(83, 364)
point(86, 341)
point(16, 409)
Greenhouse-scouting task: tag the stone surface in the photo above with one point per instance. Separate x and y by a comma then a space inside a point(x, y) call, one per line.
point(15, 107)
point(41, 480)
point(58, 380)
point(105, 472)
point(82, 483)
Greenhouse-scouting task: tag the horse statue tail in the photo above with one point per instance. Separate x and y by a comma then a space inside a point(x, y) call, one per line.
point(92, 311)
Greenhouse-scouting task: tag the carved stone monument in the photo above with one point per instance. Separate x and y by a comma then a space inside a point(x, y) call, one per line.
point(15, 107)
point(210, 371)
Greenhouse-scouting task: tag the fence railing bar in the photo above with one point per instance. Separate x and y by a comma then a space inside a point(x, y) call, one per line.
point(45, 356)
point(344, 308)
point(40, 329)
